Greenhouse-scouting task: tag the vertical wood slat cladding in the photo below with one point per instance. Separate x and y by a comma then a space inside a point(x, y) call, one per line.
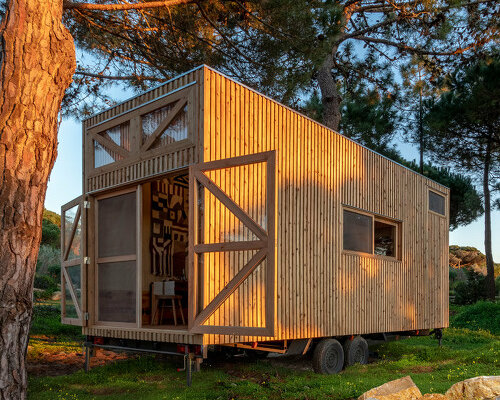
point(145, 165)
point(321, 290)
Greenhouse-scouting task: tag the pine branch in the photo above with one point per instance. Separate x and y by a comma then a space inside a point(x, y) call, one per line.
point(410, 49)
point(120, 78)
point(71, 5)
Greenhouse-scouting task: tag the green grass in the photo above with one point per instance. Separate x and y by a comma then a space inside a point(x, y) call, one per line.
point(46, 321)
point(464, 354)
point(483, 315)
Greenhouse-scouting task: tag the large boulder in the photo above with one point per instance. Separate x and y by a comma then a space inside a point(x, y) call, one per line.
point(434, 396)
point(400, 389)
point(481, 387)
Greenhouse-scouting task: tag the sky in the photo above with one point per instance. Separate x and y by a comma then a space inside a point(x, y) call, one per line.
point(65, 184)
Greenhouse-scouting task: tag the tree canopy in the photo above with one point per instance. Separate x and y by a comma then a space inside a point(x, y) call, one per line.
point(284, 48)
point(465, 123)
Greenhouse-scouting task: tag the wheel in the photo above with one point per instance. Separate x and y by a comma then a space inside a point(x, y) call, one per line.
point(328, 357)
point(355, 351)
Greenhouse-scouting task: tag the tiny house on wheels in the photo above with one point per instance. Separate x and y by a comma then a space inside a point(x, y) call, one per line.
point(214, 216)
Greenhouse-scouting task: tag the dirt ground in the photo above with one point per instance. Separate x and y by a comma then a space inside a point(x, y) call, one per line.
point(47, 358)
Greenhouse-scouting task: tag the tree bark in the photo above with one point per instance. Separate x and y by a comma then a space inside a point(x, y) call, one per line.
point(490, 268)
point(37, 61)
point(330, 96)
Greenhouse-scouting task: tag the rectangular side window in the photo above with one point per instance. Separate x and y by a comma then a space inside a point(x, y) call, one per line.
point(437, 203)
point(358, 232)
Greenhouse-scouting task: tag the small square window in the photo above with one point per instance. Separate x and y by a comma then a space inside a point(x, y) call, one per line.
point(437, 203)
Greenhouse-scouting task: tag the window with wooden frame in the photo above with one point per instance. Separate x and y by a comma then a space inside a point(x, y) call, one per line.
point(437, 203)
point(156, 126)
point(367, 233)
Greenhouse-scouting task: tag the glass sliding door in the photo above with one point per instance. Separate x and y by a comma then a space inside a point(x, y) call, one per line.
point(116, 249)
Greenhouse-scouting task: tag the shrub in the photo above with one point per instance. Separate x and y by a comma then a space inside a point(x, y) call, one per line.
point(51, 234)
point(497, 285)
point(45, 282)
point(54, 271)
point(44, 294)
point(47, 256)
point(452, 274)
point(471, 290)
point(482, 315)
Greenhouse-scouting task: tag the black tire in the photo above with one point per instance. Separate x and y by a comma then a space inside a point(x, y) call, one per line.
point(355, 351)
point(328, 357)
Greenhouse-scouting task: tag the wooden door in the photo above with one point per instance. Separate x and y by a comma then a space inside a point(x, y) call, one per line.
point(73, 273)
point(232, 246)
point(116, 242)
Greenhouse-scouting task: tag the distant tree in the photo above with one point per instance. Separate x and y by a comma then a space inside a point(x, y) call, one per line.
point(418, 77)
point(465, 124)
point(369, 117)
point(51, 234)
point(52, 217)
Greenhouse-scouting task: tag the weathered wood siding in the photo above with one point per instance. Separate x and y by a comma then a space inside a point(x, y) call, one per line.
point(321, 290)
point(139, 164)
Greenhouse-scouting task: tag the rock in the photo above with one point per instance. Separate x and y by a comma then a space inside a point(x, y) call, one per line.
point(56, 296)
point(400, 389)
point(434, 396)
point(481, 387)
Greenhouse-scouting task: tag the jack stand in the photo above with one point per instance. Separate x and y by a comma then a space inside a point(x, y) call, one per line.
point(438, 334)
point(189, 368)
point(87, 354)
point(197, 364)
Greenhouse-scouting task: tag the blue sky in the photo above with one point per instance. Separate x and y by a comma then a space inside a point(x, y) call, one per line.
point(65, 184)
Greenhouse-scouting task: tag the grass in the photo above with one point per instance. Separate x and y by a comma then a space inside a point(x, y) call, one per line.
point(46, 321)
point(482, 315)
point(464, 354)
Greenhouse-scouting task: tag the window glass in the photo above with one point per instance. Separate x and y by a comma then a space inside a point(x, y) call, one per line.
point(436, 203)
point(357, 232)
point(117, 291)
point(385, 239)
point(176, 130)
point(116, 225)
point(120, 135)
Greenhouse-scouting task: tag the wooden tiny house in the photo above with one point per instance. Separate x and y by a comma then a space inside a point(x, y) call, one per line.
point(207, 202)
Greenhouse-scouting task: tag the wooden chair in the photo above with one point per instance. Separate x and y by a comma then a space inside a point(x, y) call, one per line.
point(160, 302)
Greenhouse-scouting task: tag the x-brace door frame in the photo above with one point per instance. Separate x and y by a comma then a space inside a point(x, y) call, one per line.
point(265, 244)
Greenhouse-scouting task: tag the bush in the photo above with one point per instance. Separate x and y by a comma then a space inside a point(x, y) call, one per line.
point(471, 290)
point(44, 294)
point(497, 285)
point(51, 234)
point(45, 282)
point(47, 257)
point(482, 315)
point(54, 271)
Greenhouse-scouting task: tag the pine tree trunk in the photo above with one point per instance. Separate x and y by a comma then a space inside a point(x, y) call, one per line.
point(490, 268)
point(330, 96)
point(37, 61)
